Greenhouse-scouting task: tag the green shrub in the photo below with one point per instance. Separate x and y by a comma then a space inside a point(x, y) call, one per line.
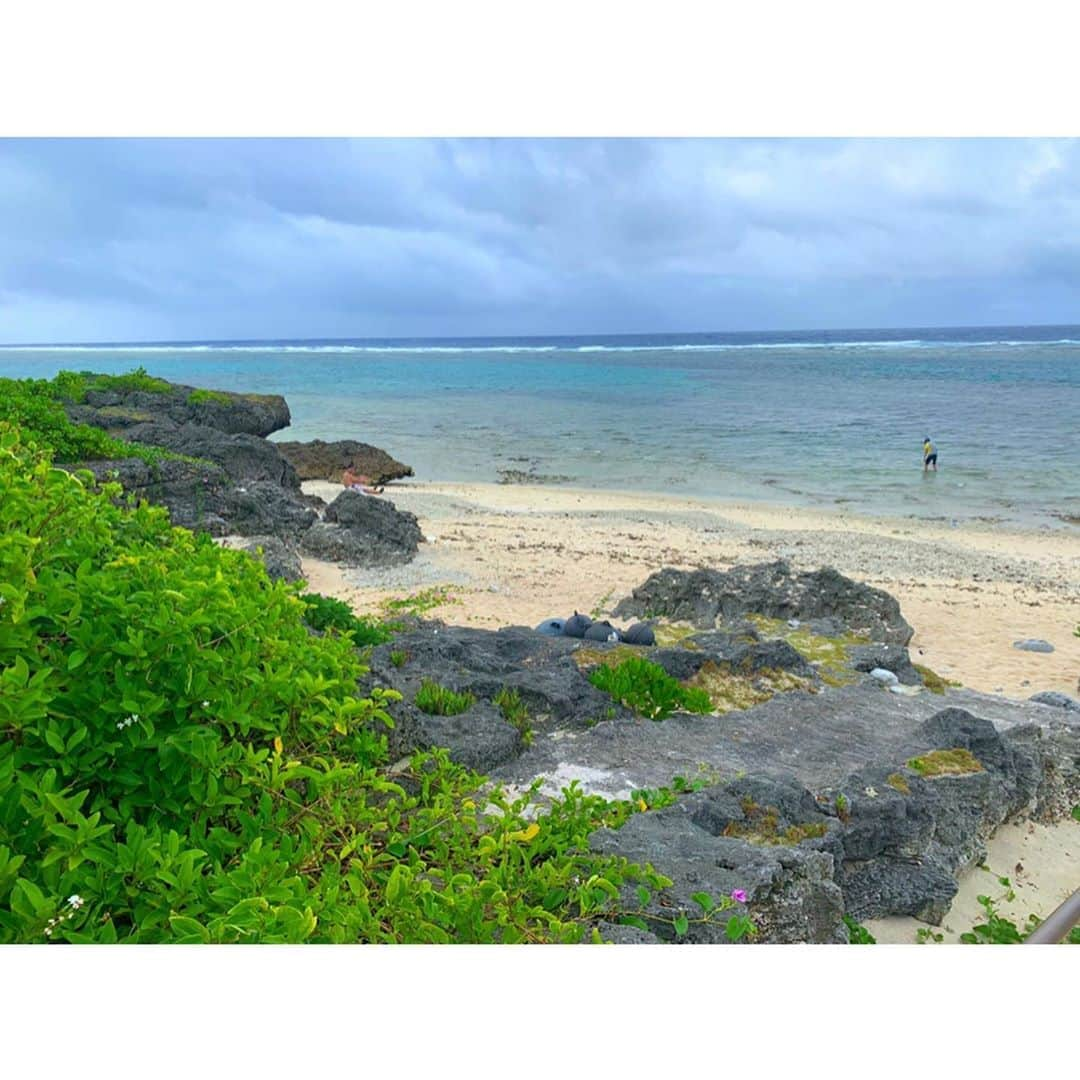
point(326, 613)
point(33, 406)
point(181, 761)
point(648, 690)
point(437, 700)
point(398, 657)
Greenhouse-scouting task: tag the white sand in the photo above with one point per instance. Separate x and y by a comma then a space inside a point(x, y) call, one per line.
point(517, 555)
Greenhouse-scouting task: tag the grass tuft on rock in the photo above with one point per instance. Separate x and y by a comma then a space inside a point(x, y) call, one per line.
point(648, 689)
point(436, 700)
point(954, 762)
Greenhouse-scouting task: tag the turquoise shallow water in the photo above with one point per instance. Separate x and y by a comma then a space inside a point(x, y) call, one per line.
point(830, 419)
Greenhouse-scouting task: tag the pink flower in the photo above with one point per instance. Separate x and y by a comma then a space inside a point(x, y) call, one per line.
point(738, 895)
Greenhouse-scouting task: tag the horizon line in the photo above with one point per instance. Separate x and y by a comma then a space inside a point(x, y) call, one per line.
point(549, 336)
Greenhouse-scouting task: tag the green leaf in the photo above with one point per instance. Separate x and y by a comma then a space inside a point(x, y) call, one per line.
point(634, 920)
point(77, 657)
point(397, 849)
point(188, 931)
point(682, 924)
point(704, 900)
point(643, 895)
point(395, 887)
point(1076, 812)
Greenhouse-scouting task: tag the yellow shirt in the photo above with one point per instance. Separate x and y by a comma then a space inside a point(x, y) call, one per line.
point(927, 448)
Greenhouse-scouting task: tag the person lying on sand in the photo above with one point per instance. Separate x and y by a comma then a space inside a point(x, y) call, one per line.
point(359, 482)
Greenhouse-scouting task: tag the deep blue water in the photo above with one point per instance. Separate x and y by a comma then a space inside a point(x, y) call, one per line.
point(826, 418)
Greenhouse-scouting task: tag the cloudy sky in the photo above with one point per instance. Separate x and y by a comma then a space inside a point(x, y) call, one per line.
point(129, 240)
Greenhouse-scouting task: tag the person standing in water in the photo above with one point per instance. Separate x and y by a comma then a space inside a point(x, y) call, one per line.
point(929, 455)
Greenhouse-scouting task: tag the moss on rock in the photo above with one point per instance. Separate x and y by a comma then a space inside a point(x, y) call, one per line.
point(932, 680)
point(730, 688)
point(829, 654)
point(954, 762)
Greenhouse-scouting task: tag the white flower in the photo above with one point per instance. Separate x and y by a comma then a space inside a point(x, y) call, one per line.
point(206, 704)
point(870, 793)
point(76, 901)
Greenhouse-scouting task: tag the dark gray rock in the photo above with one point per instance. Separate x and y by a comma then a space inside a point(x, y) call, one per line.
point(318, 460)
point(1056, 700)
point(194, 493)
point(244, 458)
point(790, 891)
point(1034, 645)
point(362, 530)
point(264, 508)
point(379, 518)
point(894, 658)
point(540, 668)
point(250, 414)
point(282, 561)
point(478, 739)
point(704, 597)
point(729, 653)
point(601, 631)
point(616, 934)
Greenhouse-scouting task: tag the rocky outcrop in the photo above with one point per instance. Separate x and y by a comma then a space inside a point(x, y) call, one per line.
point(363, 530)
point(234, 414)
point(789, 890)
point(229, 479)
point(243, 457)
point(318, 460)
point(812, 805)
point(282, 561)
point(194, 492)
point(707, 598)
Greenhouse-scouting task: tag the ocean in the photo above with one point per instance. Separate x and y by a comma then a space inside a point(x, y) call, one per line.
point(830, 419)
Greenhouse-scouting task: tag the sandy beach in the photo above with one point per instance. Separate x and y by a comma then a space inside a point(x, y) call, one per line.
point(511, 554)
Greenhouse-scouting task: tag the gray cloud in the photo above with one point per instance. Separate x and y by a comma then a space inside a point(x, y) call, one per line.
point(125, 239)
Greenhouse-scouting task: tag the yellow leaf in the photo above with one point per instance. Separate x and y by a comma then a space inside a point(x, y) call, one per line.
point(526, 834)
point(340, 727)
point(277, 743)
point(643, 804)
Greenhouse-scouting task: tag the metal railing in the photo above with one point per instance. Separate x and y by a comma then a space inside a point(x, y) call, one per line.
point(1060, 921)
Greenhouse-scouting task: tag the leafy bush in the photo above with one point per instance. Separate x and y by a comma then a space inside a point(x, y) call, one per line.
point(437, 700)
point(648, 689)
point(33, 405)
point(326, 613)
point(181, 761)
point(74, 386)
